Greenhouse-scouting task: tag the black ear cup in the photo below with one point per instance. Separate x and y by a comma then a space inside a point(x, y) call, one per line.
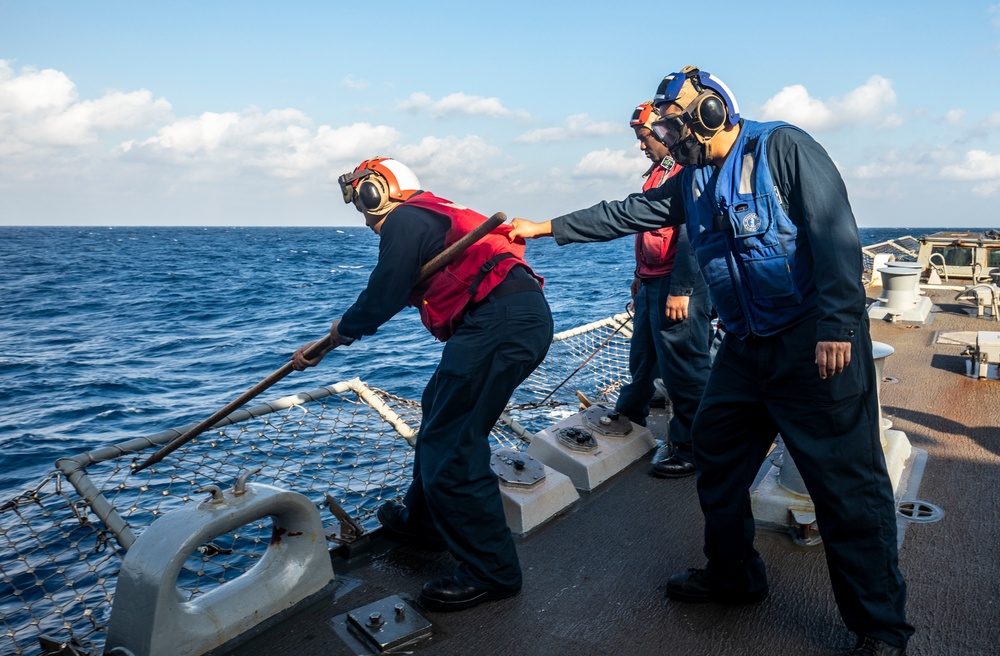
point(370, 195)
point(712, 113)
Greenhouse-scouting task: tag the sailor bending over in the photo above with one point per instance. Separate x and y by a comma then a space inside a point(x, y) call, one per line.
point(488, 308)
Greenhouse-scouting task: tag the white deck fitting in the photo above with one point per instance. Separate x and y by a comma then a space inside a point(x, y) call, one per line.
point(150, 616)
point(587, 470)
point(900, 301)
point(527, 509)
point(780, 499)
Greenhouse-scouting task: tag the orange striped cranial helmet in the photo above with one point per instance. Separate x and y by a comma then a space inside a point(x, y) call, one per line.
point(378, 184)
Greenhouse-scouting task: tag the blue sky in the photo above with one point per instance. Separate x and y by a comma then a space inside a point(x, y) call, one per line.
point(244, 113)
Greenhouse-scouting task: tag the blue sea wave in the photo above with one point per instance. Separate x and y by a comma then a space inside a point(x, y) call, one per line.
point(112, 333)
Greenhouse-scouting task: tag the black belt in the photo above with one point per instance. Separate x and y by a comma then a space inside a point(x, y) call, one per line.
point(506, 288)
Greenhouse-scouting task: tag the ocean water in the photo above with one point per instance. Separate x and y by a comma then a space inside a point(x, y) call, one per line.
point(111, 333)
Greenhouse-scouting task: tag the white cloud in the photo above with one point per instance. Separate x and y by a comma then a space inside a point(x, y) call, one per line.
point(357, 85)
point(985, 189)
point(955, 117)
point(868, 105)
point(976, 165)
point(458, 104)
point(608, 163)
point(894, 164)
point(577, 125)
point(32, 90)
point(452, 163)
point(145, 164)
point(279, 143)
point(355, 141)
point(190, 136)
point(920, 165)
point(992, 121)
point(41, 109)
point(46, 131)
point(794, 105)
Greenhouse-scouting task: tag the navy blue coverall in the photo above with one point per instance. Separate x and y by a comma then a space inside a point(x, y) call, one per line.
point(676, 351)
point(454, 493)
point(762, 385)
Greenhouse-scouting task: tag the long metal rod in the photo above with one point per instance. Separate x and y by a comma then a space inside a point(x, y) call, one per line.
point(321, 346)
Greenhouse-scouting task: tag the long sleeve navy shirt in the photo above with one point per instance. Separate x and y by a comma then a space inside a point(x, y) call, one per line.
point(685, 272)
point(409, 238)
point(815, 198)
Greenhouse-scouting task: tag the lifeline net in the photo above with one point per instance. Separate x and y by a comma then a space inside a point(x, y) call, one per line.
point(61, 545)
point(904, 249)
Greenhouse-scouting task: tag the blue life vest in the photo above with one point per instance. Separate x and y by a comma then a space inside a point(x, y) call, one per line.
point(745, 242)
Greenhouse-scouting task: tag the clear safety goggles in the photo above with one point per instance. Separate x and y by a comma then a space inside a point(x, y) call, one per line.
point(348, 186)
point(670, 129)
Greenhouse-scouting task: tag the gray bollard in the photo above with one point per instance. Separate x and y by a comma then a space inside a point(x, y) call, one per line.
point(149, 616)
point(915, 266)
point(880, 351)
point(789, 477)
point(897, 288)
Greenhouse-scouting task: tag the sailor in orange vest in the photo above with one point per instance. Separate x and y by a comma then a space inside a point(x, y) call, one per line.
point(488, 308)
point(672, 319)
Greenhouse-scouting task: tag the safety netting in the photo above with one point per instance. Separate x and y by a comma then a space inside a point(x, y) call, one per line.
point(903, 249)
point(347, 447)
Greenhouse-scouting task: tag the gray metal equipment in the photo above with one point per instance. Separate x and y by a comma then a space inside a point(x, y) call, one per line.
point(389, 624)
point(150, 616)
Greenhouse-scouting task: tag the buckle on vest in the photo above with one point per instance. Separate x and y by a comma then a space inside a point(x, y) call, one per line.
point(484, 270)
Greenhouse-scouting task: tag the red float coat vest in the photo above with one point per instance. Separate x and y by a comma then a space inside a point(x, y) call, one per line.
point(443, 297)
point(655, 249)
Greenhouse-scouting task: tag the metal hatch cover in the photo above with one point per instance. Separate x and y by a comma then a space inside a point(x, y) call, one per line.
point(389, 623)
point(609, 423)
point(576, 438)
point(517, 469)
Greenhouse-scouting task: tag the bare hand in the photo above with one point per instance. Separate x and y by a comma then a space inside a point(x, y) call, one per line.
point(299, 360)
point(525, 229)
point(634, 287)
point(677, 308)
point(832, 358)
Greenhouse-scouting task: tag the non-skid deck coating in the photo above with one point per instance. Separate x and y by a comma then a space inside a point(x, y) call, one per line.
point(593, 578)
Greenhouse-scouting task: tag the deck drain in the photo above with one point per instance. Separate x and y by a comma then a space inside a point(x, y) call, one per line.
point(919, 511)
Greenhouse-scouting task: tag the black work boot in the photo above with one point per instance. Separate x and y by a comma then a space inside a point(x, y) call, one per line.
point(694, 587)
point(673, 467)
point(395, 521)
point(869, 646)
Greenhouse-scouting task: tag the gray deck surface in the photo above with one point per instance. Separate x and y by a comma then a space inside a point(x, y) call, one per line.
point(594, 577)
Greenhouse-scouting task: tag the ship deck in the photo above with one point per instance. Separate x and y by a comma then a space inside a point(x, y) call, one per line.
point(594, 577)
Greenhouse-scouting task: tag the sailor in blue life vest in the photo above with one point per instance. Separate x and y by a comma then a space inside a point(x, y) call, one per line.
point(488, 308)
point(670, 336)
point(768, 216)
